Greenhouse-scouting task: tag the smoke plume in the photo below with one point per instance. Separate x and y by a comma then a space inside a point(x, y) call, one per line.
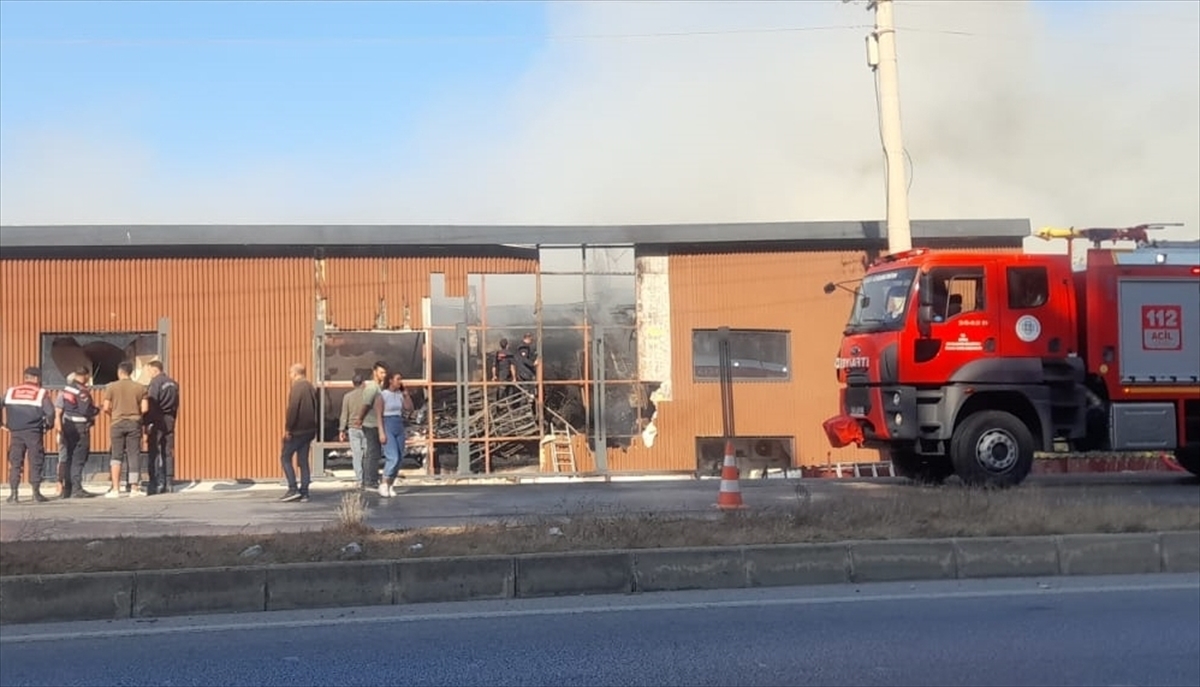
point(647, 112)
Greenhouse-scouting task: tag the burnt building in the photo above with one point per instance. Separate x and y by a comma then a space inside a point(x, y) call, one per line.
point(624, 320)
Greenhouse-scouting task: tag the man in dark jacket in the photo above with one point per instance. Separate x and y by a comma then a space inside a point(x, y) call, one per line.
point(76, 414)
point(299, 430)
point(163, 393)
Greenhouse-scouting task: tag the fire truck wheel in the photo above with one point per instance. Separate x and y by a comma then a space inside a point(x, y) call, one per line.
point(1188, 458)
point(992, 448)
point(921, 469)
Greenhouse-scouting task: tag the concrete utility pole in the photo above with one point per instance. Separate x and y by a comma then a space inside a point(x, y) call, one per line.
point(881, 57)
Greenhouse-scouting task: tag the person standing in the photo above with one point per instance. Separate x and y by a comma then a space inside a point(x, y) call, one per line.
point(163, 394)
point(28, 414)
point(527, 358)
point(62, 468)
point(350, 429)
point(396, 402)
point(370, 418)
point(75, 414)
point(504, 369)
point(299, 430)
point(527, 364)
point(125, 403)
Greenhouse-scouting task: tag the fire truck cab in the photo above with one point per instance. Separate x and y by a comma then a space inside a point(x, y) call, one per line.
point(969, 363)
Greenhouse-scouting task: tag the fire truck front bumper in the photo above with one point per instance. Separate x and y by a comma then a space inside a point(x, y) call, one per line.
point(874, 416)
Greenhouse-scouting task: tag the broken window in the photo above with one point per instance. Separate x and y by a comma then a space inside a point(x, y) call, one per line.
point(610, 259)
point(511, 300)
point(562, 300)
point(612, 300)
point(350, 353)
point(99, 352)
point(561, 260)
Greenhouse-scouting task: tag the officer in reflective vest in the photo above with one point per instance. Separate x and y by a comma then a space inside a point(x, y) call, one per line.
point(28, 414)
point(77, 412)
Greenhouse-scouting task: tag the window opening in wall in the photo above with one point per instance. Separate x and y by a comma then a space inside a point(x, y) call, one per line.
point(349, 353)
point(756, 354)
point(508, 418)
point(754, 454)
point(100, 352)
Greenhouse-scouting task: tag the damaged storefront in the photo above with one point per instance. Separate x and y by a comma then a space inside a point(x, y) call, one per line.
point(584, 395)
point(621, 321)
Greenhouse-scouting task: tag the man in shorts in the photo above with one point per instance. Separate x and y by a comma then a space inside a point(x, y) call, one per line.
point(126, 403)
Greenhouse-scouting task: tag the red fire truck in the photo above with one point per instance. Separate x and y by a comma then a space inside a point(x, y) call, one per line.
point(967, 364)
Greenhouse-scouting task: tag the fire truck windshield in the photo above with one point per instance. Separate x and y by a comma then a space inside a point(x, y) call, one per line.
point(883, 301)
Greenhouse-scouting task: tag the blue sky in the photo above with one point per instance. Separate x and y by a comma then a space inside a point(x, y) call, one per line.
point(415, 111)
point(333, 75)
point(337, 76)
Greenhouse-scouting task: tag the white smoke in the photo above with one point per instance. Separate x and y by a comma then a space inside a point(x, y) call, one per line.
point(647, 112)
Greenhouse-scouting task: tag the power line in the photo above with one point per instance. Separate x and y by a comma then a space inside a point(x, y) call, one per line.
point(400, 40)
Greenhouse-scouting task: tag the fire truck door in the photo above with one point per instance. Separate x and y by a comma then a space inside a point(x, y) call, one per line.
point(962, 329)
point(1036, 320)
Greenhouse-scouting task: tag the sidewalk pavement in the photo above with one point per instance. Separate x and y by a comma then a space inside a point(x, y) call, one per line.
point(254, 508)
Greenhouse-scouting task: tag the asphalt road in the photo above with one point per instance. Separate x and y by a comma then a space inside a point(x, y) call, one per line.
point(255, 510)
point(1077, 631)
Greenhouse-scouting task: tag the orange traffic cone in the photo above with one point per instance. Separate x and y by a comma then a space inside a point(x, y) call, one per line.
point(730, 496)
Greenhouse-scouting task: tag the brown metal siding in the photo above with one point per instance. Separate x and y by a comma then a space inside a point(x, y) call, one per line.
point(235, 327)
point(768, 290)
point(780, 291)
point(354, 286)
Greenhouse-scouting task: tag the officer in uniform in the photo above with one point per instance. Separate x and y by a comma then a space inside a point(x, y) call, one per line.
point(163, 393)
point(28, 414)
point(77, 413)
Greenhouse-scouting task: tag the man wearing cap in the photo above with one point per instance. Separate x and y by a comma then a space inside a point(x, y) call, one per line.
point(76, 413)
point(28, 413)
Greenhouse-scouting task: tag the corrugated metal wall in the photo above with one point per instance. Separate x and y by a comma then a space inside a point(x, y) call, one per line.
point(781, 291)
point(768, 290)
point(236, 325)
point(354, 286)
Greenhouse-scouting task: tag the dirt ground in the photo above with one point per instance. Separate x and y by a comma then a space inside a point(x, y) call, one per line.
point(915, 513)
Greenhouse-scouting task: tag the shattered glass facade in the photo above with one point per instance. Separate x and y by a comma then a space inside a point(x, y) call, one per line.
point(583, 385)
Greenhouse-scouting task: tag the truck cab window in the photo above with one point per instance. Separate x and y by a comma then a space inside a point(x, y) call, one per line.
point(957, 291)
point(1028, 287)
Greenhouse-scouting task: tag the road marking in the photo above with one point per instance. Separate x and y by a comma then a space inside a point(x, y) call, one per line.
point(627, 604)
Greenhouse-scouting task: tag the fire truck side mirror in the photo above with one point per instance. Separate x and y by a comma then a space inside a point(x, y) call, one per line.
point(924, 304)
point(924, 317)
point(925, 289)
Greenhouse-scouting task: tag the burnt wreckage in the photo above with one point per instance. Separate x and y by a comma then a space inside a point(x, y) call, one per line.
point(508, 416)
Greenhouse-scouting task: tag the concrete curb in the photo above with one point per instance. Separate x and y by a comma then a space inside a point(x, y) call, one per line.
point(162, 593)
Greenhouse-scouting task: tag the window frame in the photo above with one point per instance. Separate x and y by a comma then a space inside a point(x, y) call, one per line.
point(1043, 274)
point(735, 377)
point(55, 384)
point(962, 273)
